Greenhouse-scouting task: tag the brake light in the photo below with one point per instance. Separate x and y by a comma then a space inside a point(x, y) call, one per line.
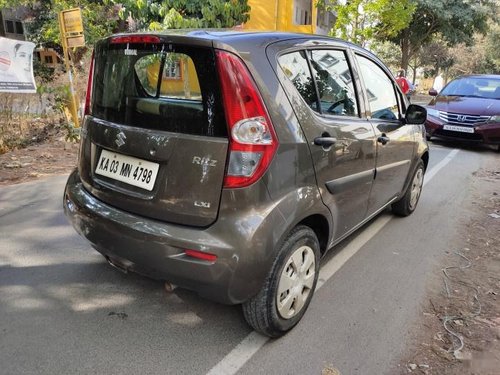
point(201, 255)
point(252, 142)
point(150, 39)
point(88, 96)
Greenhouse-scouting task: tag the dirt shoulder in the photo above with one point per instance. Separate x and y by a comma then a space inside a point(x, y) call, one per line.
point(459, 329)
point(52, 157)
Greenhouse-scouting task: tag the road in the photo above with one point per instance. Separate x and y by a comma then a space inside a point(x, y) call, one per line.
point(64, 310)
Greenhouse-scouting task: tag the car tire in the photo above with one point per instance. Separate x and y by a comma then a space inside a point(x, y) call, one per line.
point(407, 204)
point(289, 287)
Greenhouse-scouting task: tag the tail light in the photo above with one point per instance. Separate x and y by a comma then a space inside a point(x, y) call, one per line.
point(252, 142)
point(88, 97)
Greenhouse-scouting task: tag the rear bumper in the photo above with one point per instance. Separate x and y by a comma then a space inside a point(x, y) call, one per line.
point(486, 133)
point(156, 249)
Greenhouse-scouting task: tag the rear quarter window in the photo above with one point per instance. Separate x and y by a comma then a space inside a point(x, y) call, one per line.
point(295, 67)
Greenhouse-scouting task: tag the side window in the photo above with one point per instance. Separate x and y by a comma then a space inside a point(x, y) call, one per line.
point(379, 89)
point(333, 78)
point(295, 67)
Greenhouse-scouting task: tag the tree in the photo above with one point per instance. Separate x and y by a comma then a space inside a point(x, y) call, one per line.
point(361, 21)
point(388, 52)
point(480, 58)
point(492, 50)
point(42, 25)
point(455, 20)
point(176, 14)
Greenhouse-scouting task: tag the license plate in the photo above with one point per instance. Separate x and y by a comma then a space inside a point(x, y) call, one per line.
point(132, 171)
point(455, 128)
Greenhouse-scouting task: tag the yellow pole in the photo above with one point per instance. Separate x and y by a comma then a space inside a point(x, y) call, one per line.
point(314, 17)
point(73, 105)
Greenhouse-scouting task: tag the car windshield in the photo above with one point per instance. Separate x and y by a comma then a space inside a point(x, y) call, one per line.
point(479, 87)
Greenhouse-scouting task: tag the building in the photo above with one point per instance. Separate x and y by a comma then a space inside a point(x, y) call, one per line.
point(11, 25)
point(48, 57)
point(289, 15)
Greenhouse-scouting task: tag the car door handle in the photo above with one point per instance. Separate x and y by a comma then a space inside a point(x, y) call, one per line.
point(383, 139)
point(325, 141)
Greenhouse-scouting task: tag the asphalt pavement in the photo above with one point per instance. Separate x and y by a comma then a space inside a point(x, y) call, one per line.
point(64, 310)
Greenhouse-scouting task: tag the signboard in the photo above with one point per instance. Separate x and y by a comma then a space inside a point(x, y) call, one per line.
point(72, 19)
point(16, 66)
point(75, 41)
point(72, 27)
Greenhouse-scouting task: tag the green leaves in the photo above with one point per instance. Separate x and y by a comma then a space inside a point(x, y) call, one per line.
point(455, 20)
point(410, 23)
point(176, 14)
point(99, 19)
point(102, 18)
point(361, 21)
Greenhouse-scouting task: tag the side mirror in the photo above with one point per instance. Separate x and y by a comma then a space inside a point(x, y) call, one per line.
point(415, 115)
point(433, 92)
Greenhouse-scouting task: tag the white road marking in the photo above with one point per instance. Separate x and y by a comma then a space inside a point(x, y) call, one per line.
point(336, 263)
point(431, 173)
point(232, 362)
point(251, 344)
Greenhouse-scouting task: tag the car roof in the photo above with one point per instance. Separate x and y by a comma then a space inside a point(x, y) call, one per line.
point(230, 34)
point(235, 38)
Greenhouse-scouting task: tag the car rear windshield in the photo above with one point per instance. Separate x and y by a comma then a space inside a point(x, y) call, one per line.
point(158, 86)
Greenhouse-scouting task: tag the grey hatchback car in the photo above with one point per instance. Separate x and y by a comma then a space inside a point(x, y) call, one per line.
point(228, 163)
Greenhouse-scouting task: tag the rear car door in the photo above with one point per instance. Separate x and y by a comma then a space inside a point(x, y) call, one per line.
point(396, 143)
point(155, 140)
point(321, 89)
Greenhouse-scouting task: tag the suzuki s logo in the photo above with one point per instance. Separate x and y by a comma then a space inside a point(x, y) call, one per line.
point(461, 118)
point(120, 139)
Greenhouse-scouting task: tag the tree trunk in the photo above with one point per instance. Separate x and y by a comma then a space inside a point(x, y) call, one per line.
point(405, 50)
point(414, 68)
point(413, 74)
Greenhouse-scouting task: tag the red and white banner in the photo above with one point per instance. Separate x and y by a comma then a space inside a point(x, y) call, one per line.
point(16, 66)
